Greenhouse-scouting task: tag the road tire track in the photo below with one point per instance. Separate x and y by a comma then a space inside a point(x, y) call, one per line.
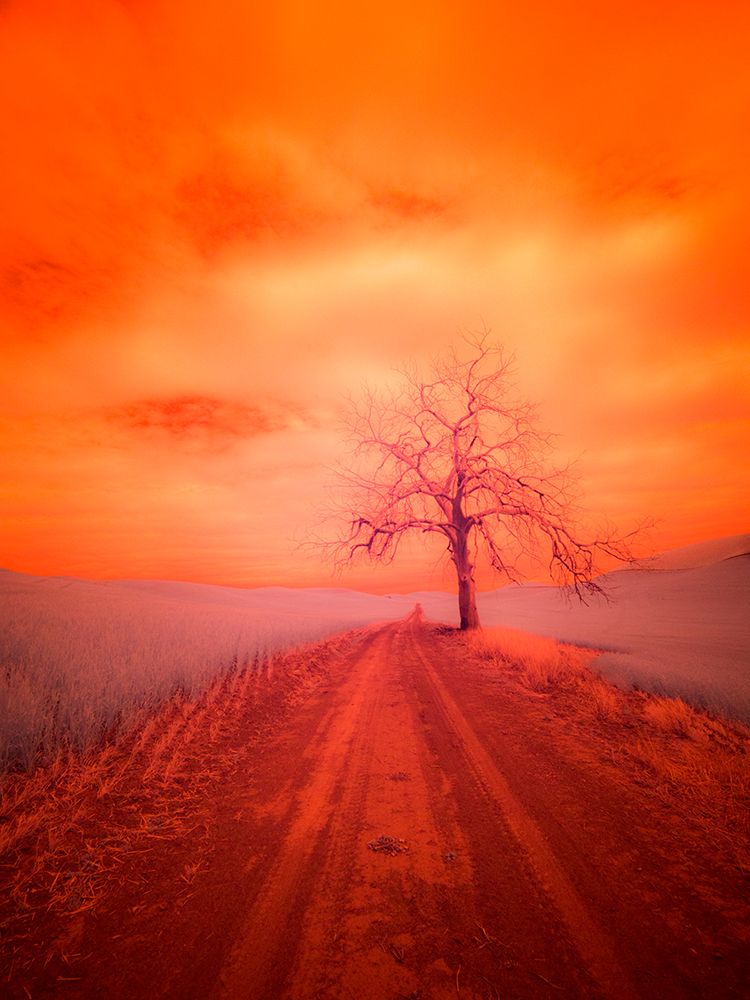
point(261, 957)
point(591, 941)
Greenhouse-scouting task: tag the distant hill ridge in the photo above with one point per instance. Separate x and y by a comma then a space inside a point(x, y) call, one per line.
point(699, 554)
point(695, 556)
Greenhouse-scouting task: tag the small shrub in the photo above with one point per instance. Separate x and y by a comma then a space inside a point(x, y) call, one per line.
point(605, 699)
point(542, 663)
point(674, 717)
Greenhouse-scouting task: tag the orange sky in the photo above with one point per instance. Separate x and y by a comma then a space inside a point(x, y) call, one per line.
point(217, 218)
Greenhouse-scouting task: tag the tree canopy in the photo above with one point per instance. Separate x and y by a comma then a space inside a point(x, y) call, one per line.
point(454, 452)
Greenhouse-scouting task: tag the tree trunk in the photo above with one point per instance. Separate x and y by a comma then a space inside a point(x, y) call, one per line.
point(467, 598)
point(467, 603)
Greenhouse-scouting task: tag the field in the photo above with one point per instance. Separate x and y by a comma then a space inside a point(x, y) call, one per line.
point(83, 661)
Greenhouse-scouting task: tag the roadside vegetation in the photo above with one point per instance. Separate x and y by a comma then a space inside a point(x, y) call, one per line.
point(679, 751)
point(83, 663)
point(86, 820)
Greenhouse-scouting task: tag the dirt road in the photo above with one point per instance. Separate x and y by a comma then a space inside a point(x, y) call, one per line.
point(411, 832)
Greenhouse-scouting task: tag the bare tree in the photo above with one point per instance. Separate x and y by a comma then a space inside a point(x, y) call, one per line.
point(458, 455)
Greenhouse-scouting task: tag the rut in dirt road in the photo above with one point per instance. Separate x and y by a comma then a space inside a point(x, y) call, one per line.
point(408, 832)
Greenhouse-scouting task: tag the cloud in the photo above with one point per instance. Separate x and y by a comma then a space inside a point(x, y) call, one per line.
point(408, 206)
point(198, 422)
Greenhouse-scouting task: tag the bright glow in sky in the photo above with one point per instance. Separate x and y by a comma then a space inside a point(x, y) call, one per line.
point(217, 218)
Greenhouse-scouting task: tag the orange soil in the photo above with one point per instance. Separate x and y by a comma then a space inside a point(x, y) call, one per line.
point(533, 863)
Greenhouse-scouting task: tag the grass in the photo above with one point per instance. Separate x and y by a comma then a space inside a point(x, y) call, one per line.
point(540, 663)
point(687, 756)
point(675, 717)
point(83, 663)
point(75, 828)
point(604, 699)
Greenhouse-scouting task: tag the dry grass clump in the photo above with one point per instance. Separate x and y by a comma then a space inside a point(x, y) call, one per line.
point(674, 717)
point(606, 700)
point(541, 663)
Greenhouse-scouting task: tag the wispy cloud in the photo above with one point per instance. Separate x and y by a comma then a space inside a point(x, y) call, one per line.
point(197, 421)
point(402, 205)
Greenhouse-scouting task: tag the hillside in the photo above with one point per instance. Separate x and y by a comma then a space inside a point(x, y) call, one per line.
point(683, 632)
point(700, 554)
